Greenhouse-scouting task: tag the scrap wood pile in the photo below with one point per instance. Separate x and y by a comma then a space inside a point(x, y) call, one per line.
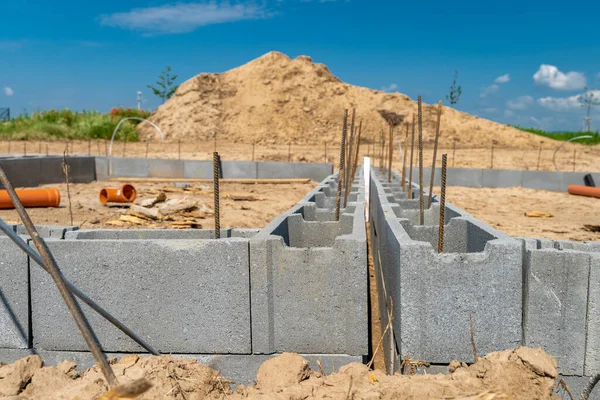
point(156, 210)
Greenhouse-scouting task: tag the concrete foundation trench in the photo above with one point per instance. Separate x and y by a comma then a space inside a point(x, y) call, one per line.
point(300, 285)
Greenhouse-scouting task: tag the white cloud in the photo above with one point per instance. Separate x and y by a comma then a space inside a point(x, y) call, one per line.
point(182, 17)
point(560, 103)
point(486, 91)
point(503, 79)
point(520, 103)
point(549, 75)
point(391, 88)
point(8, 91)
point(509, 113)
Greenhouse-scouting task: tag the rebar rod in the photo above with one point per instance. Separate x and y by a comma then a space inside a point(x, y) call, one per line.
point(435, 148)
point(216, 192)
point(404, 160)
point(442, 204)
point(412, 148)
point(348, 159)
point(8, 231)
point(391, 150)
point(338, 198)
point(50, 263)
point(355, 164)
point(421, 200)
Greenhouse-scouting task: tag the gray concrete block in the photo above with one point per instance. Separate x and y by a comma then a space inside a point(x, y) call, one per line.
point(555, 304)
point(468, 177)
point(14, 296)
point(274, 170)
point(128, 167)
point(315, 171)
point(195, 307)
point(165, 168)
point(152, 234)
point(22, 172)
point(198, 169)
point(240, 169)
point(48, 231)
point(592, 351)
point(101, 168)
point(542, 180)
point(311, 299)
point(501, 178)
point(573, 178)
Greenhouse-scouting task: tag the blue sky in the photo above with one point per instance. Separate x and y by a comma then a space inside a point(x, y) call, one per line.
point(519, 62)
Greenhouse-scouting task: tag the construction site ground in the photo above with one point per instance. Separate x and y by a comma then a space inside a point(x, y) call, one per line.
point(572, 217)
point(242, 205)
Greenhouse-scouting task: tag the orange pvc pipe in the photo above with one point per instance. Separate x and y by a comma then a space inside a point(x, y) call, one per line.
point(125, 194)
point(584, 191)
point(31, 198)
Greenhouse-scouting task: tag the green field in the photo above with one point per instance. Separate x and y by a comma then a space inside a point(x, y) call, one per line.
point(66, 124)
point(564, 136)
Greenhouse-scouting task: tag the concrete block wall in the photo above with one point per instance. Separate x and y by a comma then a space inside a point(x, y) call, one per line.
point(547, 291)
point(300, 285)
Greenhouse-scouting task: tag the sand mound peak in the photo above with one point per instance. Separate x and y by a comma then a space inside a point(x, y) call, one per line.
point(276, 99)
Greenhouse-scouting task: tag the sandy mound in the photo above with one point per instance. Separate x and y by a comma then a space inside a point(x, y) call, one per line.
point(274, 99)
point(520, 374)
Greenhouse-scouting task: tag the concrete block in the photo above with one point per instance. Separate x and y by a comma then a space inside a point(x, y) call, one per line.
point(165, 168)
point(14, 296)
point(152, 234)
point(274, 170)
point(128, 167)
point(468, 177)
point(101, 168)
point(198, 169)
point(572, 178)
point(501, 178)
point(315, 171)
point(592, 351)
point(195, 307)
point(48, 231)
point(22, 172)
point(240, 169)
point(555, 304)
point(309, 299)
point(542, 180)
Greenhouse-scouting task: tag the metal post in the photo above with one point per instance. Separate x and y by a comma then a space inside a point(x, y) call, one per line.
point(404, 160)
point(391, 150)
point(539, 156)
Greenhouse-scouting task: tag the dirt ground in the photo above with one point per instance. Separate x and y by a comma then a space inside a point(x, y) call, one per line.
point(523, 373)
point(505, 210)
point(88, 213)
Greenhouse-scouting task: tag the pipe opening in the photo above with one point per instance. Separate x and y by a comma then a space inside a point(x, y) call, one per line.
point(128, 192)
point(103, 196)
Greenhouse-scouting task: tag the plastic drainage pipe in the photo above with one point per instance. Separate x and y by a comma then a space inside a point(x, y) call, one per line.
point(125, 194)
point(31, 198)
point(584, 191)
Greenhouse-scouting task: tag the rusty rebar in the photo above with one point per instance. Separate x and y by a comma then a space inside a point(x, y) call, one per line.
point(338, 198)
point(404, 159)
point(355, 164)
point(442, 204)
point(539, 156)
point(391, 150)
point(40, 148)
point(435, 148)
point(46, 149)
point(412, 148)
point(348, 159)
point(216, 162)
point(52, 268)
point(8, 231)
point(25, 148)
point(421, 200)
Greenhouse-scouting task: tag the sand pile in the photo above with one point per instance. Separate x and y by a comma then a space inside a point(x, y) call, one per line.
point(517, 374)
point(274, 99)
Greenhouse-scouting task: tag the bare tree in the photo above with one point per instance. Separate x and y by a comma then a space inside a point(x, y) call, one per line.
point(455, 91)
point(589, 99)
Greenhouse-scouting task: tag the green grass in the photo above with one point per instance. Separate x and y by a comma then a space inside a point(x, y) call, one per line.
point(564, 136)
point(65, 124)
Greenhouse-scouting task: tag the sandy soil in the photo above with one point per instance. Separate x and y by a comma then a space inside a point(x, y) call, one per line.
point(88, 213)
point(505, 210)
point(517, 374)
